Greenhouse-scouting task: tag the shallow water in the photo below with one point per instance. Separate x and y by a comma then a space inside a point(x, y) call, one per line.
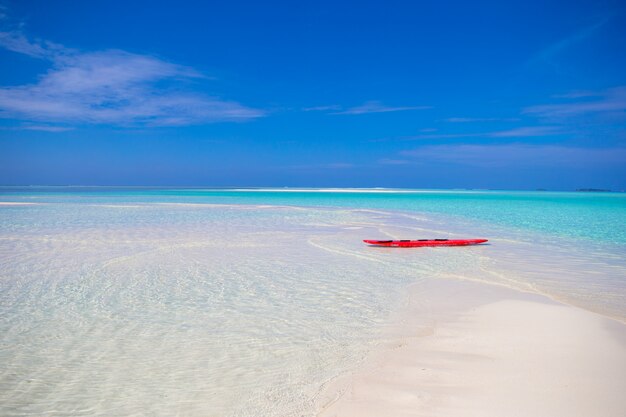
point(579, 215)
point(155, 303)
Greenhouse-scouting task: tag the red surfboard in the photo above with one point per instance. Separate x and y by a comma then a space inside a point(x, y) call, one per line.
point(425, 242)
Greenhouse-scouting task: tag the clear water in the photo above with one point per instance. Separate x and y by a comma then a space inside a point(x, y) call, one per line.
point(123, 302)
point(581, 215)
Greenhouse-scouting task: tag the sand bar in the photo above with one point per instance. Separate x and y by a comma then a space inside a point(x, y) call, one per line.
point(17, 203)
point(501, 353)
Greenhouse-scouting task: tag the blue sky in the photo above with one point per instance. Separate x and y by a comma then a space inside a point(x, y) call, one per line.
point(517, 95)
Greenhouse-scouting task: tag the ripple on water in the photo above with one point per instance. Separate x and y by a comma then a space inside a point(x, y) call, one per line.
point(225, 310)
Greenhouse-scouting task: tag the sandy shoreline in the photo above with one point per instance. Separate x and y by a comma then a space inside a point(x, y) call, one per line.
point(478, 350)
point(464, 345)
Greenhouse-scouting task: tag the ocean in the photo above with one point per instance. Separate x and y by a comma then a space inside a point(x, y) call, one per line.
point(248, 302)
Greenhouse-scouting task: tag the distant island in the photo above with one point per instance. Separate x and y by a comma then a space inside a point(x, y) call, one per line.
point(593, 190)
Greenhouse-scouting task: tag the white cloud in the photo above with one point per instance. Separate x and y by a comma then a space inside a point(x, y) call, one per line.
point(340, 165)
point(111, 87)
point(44, 128)
point(15, 41)
point(326, 166)
point(367, 107)
point(468, 119)
point(478, 119)
point(516, 154)
point(377, 107)
point(391, 161)
point(611, 101)
point(3, 12)
point(527, 131)
point(518, 132)
point(322, 108)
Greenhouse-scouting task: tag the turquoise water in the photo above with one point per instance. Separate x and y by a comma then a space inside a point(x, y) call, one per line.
point(117, 302)
point(572, 214)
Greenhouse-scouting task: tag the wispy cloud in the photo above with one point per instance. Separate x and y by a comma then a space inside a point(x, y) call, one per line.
point(378, 107)
point(584, 114)
point(608, 102)
point(111, 87)
point(340, 165)
point(322, 108)
point(467, 119)
point(478, 119)
point(548, 53)
point(47, 128)
point(577, 94)
point(527, 131)
point(367, 107)
point(39, 128)
point(16, 41)
point(3, 11)
point(516, 154)
point(330, 166)
point(518, 132)
point(392, 161)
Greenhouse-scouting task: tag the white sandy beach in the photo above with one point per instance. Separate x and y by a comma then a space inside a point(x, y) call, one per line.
point(487, 351)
